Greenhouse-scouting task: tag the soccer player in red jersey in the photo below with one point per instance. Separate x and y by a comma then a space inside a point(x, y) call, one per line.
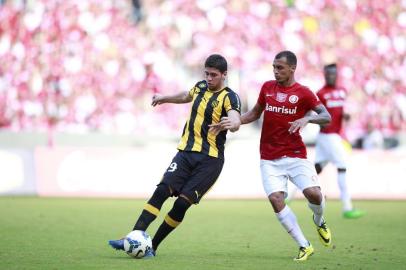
point(285, 104)
point(329, 146)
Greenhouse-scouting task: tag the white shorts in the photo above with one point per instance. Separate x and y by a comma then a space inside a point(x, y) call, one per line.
point(330, 148)
point(276, 173)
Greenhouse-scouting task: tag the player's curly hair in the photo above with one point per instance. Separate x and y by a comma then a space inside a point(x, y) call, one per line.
point(216, 61)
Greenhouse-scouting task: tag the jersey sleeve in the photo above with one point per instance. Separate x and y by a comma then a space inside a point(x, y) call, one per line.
point(261, 97)
point(199, 86)
point(232, 102)
point(192, 91)
point(311, 100)
point(320, 96)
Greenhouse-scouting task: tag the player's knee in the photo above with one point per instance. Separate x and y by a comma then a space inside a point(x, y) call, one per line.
point(318, 167)
point(179, 209)
point(313, 195)
point(341, 170)
point(186, 198)
point(277, 201)
point(163, 191)
point(161, 194)
point(182, 203)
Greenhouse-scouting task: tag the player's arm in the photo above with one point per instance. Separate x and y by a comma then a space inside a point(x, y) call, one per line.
point(231, 122)
point(182, 97)
point(322, 117)
point(346, 117)
point(252, 115)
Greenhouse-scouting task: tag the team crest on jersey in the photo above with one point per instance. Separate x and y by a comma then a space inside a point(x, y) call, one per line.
point(281, 97)
point(293, 99)
point(214, 103)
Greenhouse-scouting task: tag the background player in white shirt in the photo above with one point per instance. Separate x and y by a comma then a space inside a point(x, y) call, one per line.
point(329, 145)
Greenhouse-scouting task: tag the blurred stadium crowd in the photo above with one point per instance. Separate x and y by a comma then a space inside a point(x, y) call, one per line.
point(80, 66)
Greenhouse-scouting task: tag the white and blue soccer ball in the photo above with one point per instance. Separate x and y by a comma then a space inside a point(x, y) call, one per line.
point(136, 243)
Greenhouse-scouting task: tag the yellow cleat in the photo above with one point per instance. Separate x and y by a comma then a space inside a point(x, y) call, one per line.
point(324, 234)
point(304, 253)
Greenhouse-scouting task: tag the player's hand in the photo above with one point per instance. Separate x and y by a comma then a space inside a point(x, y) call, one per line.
point(157, 100)
point(215, 128)
point(225, 123)
point(218, 127)
point(298, 124)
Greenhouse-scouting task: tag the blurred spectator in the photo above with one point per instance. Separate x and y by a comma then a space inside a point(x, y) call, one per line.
point(137, 10)
point(151, 80)
point(373, 139)
point(80, 65)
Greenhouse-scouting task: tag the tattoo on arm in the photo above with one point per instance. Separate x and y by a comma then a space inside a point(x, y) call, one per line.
point(323, 117)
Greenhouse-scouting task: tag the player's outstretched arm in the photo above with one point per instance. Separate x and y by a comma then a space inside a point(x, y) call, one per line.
point(182, 97)
point(231, 122)
point(321, 118)
point(252, 115)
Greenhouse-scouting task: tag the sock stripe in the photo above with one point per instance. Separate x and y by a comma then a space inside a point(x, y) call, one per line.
point(171, 222)
point(152, 209)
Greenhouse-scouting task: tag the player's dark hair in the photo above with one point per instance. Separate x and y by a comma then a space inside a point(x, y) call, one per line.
point(333, 65)
point(290, 57)
point(216, 61)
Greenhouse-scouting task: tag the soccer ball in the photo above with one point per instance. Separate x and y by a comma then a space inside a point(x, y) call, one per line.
point(136, 243)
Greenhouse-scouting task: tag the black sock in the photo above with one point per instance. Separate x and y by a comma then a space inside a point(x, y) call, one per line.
point(161, 234)
point(144, 220)
point(152, 208)
point(172, 220)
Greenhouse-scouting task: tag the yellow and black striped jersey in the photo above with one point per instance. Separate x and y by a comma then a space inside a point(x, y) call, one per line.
point(208, 108)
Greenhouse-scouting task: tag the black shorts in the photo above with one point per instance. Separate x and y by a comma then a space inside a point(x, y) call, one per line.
point(192, 174)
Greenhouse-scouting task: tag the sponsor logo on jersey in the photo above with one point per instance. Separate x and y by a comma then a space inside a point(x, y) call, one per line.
point(282, 109)
point(293, 99)
point(335, 94)
point(334, 103)
point(281, 97)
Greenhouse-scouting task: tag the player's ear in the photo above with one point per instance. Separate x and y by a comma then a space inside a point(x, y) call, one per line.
point(293, 68)
point(224, 75)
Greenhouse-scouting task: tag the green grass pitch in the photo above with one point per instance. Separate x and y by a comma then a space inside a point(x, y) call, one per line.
point(51, 233)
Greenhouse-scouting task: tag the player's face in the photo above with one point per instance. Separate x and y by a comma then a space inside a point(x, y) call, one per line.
point(214, 78)
point(330, 74)
point(282, 71)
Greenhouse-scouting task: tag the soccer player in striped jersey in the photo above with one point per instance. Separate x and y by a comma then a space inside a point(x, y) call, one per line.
point(199, 161)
